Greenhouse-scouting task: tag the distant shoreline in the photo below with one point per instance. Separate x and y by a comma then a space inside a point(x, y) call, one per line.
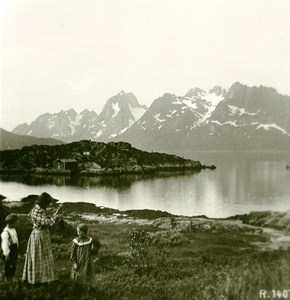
point(92, 212)
point(106, 171)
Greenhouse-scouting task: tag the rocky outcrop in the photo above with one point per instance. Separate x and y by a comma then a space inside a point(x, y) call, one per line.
point(200, 224)
point(270, 219)
point(93, 159)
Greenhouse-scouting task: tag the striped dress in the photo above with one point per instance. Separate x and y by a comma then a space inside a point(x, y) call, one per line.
point(39, 264)
point(81, 255)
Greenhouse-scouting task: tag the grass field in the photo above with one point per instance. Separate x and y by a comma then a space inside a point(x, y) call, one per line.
point(148, 262)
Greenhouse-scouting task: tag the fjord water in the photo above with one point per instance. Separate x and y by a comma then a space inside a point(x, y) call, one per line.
point(242, 182)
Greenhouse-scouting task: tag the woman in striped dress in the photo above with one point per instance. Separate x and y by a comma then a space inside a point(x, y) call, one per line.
point(81, 255)
point(39, 264)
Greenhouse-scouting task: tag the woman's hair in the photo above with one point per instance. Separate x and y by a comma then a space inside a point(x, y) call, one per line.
point(11, 219)
point(43, 200)
point(83, 227)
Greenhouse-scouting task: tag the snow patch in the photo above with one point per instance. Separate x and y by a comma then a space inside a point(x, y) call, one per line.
point(211, 101)
point(116, 109)
point(257, 124)
point(131, 122)
point(190, 104)
point(226, 123)
point(171, 113)
point(186, 103)
point(192, 127)
point(74, 123)
point(156, 117)
point(51, 124)
point(270, 126)
point(205, 102)
point(137, 112)
point(235, 110)
point(212, 98)
point(99, 133)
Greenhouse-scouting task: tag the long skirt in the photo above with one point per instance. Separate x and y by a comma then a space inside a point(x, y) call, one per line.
point(39, 264)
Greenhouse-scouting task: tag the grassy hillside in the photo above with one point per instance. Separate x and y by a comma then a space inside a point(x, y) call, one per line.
point(9, 140)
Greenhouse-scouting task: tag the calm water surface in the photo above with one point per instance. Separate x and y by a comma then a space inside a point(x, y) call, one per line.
point(242, 182)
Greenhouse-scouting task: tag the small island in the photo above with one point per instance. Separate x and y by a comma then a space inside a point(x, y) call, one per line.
point(91, 158)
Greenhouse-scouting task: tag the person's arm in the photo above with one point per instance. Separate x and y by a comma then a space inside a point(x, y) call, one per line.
point(73, 255)
point(5, 243)
point(38, 216)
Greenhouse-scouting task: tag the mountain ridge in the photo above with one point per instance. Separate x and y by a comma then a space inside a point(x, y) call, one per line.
point(241, 118)
point(118, 114)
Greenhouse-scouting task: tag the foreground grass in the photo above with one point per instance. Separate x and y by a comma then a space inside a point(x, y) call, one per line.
point(174, 264)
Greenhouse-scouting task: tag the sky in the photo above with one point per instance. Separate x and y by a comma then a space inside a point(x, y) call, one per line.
point(78, 53)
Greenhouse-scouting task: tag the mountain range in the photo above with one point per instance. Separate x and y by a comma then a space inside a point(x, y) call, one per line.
point(240, 118)
point(118, 114)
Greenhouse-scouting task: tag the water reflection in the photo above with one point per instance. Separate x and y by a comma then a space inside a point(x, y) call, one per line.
point(240, 184)
point(119, 182)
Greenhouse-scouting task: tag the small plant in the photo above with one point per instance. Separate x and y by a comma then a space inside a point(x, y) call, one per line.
point(139, 242)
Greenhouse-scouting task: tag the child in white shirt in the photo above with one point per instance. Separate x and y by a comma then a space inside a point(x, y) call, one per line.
point(9, 245)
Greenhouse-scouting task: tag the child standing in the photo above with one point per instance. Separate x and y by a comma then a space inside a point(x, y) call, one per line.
point(10, 246)
point(81, 255)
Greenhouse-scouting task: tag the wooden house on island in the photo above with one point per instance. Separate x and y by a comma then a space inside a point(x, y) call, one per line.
point(65, 164)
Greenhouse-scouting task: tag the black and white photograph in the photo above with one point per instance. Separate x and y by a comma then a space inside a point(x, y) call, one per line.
point(145, 149)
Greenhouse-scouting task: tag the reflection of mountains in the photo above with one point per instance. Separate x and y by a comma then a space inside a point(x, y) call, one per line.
point(121, 182)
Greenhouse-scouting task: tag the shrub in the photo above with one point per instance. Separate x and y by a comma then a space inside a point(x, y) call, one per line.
point(139, 242)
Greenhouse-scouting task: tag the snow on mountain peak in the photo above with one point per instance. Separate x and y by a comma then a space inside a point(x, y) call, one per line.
point(116, 109)
point(201, 103)
point(213, 98)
